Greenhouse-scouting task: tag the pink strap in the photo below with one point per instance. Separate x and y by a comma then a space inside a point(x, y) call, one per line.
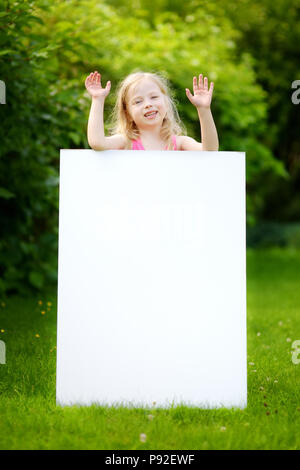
point(137, 144)
point(174, 142)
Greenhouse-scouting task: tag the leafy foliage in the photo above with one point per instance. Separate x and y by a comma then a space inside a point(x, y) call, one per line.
point(47, 50)
point(34, 127)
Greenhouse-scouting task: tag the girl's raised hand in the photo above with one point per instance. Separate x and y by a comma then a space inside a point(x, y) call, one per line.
point(93, 85)
point(202, 95)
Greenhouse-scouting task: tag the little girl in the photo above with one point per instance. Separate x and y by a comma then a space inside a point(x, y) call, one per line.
point(145, 116)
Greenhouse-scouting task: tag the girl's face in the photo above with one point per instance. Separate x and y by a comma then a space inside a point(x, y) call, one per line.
point(146, 104)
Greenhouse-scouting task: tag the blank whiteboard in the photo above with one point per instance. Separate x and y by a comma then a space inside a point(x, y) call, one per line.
point(152, 279)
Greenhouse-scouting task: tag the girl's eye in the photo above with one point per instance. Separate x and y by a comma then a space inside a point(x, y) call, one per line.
point(154, 96)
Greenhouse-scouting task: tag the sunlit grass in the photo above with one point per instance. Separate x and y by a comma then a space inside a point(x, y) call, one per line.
point(30, 418)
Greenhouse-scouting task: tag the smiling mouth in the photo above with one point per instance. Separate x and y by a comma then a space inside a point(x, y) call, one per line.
point(150, 115)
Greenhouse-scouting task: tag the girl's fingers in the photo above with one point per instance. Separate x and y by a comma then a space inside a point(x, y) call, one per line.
point(88, 80)
point(94, 78)
point(188, 93)
point(200, 80)
point(205, 83)
point(211, 87)
point(195, 86)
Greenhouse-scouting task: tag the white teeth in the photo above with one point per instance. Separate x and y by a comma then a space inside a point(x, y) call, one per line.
point(150, 114)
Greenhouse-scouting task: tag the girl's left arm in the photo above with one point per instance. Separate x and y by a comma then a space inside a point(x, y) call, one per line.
point(201, 100)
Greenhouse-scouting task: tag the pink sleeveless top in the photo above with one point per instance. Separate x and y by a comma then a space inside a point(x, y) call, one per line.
point(137, 144)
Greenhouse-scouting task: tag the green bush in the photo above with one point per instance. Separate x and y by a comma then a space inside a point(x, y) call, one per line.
point(269, 234)
point(34, 126)
point(47, 50)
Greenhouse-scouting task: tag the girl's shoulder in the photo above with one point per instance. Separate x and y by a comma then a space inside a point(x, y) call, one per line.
point(184, 142)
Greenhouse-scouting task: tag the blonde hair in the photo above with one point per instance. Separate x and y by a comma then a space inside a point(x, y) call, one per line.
point(122, 124)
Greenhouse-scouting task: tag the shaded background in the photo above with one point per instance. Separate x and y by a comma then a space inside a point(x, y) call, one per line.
point(47, 48)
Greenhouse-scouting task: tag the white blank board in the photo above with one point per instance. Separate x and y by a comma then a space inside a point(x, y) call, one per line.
point(152, 279)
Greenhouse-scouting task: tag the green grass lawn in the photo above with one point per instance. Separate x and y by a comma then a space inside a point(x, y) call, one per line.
point(30, 419)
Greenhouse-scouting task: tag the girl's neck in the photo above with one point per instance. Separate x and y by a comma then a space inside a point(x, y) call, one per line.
point(151, 134)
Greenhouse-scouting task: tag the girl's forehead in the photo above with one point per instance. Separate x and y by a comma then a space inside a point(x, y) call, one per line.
point(143, 86)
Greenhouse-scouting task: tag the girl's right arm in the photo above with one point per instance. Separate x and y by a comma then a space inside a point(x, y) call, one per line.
point(95, 132)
